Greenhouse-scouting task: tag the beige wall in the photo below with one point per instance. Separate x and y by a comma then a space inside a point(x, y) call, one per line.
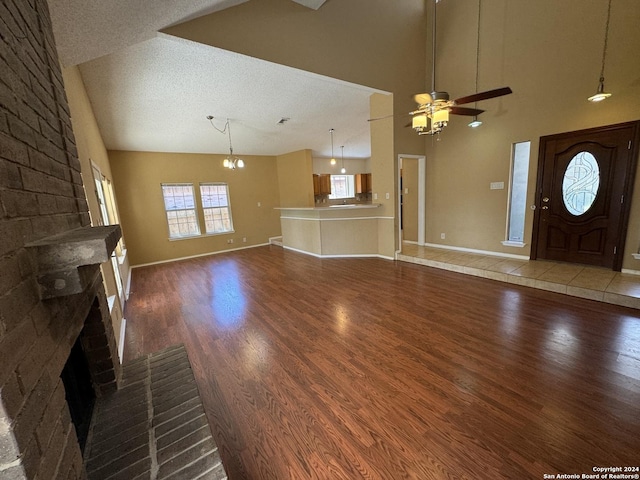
point(137, 180)
point(383, 175)
point(353, 165)
point(91, 149)
point(295, 179)
point(377, 43)
point(552, 63)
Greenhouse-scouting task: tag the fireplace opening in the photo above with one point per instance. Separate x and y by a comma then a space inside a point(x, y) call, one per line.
point(79, 390)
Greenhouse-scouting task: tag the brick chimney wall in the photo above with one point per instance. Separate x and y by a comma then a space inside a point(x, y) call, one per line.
point(41, 194)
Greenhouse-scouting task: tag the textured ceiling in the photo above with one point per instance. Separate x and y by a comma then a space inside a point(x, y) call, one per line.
point(152, 92)
point(88, 29)
point(155, 96)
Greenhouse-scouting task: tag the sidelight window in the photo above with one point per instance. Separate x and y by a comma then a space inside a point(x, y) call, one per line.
point(518, 193)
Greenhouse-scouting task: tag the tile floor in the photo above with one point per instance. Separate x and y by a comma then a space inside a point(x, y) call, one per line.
point(577, 280)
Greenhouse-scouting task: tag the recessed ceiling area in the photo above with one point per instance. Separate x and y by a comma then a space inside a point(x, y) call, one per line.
point(152, 92)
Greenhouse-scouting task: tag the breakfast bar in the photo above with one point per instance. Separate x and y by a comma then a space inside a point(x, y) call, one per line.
point(340, 230)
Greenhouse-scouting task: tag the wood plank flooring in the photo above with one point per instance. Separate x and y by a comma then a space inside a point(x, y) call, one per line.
point(366, 368)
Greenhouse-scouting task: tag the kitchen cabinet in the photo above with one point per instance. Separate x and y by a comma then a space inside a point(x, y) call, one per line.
point(321, 184)
point(363, 183)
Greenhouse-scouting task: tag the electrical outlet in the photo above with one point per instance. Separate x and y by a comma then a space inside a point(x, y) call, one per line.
point(386, 195)
point(375, 196)
point(442, 236)
point(230, 240)
point(259, 204)
point(244, 239)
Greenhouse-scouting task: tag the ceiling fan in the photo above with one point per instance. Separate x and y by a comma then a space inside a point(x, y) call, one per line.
point(432, 114)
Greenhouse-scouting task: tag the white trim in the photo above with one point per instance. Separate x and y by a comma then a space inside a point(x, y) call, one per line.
point(630, 272)
point(123, 329)
point(473, 250)
point(636, 256)
point(333, 219)
point(127, 290)
point(111, 301)
point(353, 255)
point(197, 256)
point(509, 243)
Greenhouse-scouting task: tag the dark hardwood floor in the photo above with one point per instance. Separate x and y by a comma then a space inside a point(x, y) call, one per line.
point(368, 368)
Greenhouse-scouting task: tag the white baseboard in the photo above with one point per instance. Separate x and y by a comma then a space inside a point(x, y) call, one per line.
point(354, 255)
point(197, 256)
point(123, 330)
point(630, 272)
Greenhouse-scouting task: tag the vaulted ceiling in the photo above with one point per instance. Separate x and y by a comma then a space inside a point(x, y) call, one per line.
point(152, 92)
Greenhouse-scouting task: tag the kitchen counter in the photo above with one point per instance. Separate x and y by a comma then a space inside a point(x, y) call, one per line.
point(339, 206)
point(340, 230)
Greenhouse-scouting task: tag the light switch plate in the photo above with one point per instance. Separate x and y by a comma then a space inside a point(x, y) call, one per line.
point(496, 185)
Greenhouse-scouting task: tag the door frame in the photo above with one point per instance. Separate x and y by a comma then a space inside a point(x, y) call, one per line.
point(422, 169)
point(628, 184)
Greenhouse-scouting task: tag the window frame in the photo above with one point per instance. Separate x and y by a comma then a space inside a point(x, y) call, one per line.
point(227, 207)
point(194, 209)
point(513, 184)
point(351, 186)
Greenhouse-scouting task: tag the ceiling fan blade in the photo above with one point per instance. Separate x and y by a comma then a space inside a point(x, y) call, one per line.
point(388, 116)
point(476, 97)
point(423, 98)
point(465, 111)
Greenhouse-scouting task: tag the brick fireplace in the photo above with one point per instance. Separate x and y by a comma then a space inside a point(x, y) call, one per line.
point(51, 290)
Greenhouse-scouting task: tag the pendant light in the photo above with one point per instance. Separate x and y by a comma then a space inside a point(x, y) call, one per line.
point(600, 93)
point(343, 170)
point(333, 159)
point(230, 161)
point(475, 123)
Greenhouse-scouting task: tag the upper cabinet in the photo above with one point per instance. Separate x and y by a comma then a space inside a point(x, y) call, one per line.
point(363, 183)
point(322, 184)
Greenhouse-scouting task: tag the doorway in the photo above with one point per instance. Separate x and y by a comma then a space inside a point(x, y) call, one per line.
point(411, 199)
point(583, 193)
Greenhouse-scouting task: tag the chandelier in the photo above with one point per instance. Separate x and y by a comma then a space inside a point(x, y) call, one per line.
point(231, 162)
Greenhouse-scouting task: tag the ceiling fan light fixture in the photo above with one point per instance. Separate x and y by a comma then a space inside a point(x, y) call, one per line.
point(475, 123)
point(440, 118)
point(419, 122)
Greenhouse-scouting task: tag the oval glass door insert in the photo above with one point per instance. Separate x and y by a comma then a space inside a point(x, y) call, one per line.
point(581, 183)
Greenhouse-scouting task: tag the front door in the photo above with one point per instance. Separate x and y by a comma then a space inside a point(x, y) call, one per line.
point(583, 193)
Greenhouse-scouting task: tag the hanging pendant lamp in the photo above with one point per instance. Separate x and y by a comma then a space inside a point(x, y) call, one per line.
point(333, 159)
point(600, 93)
point(475, 123)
